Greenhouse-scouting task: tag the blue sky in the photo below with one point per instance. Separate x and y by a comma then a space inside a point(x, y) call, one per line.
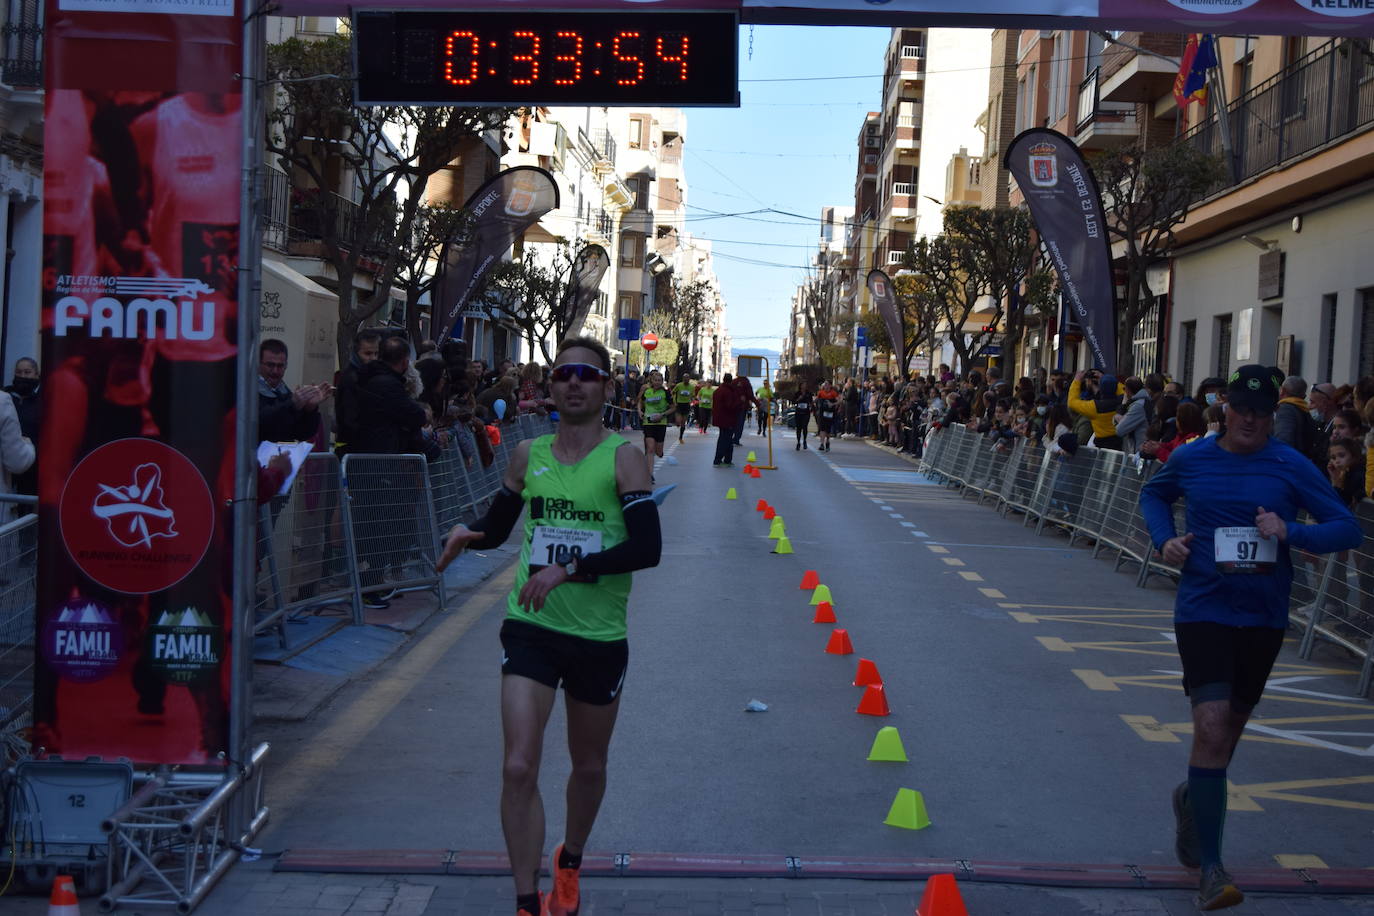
point(790, 146)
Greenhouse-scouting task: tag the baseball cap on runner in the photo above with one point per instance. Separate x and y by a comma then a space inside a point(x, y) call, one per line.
point(1254, 387)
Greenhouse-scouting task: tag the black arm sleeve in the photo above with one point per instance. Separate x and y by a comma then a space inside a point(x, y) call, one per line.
point(643, 543)
point(500, 519)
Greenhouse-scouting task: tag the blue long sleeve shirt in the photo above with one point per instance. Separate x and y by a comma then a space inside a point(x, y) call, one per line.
point(1223, 490)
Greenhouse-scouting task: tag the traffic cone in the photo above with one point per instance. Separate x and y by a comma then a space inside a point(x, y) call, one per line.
point(769, 513)
point(867, 674)
point(887, 746)
point(730, 494)
point(824, 613)
point(751, 457)
point(63, 899)
point(820, 593)
point(757, 474)
point(809, 580)
point(874, 701)
point(777, 530)
point(748, 470)
point(762, 504)
point(941, 897)
point(909, 811)
point(840, 645)
point(782, 546)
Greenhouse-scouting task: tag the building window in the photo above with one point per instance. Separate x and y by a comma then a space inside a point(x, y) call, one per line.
point(1366, 333)
point(636, 133)
point(627, 305)
point(1329, 315)
point(1059, 78)
point(1185, 369)
point(639, 191)
point(1224, 346)
point(1145, 341)
point(1022, 100)
point(631, 250)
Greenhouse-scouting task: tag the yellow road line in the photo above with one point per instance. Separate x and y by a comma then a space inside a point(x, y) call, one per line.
point(1055, 644)
point(1297, 860)
point(935, 549)
point(991, 593)
point(971, 577)
point(952, 561)
point(1119, 610)
point(1150, 728)
point(1096, 680)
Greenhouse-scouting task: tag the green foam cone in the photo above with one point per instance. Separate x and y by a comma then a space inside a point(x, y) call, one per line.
point(908, 811)
point(887, 746)
point(820, 593)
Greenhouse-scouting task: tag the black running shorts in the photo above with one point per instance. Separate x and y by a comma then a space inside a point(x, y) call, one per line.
point(684, 412)
point(590, 671)
point(656, 432)
point(823, 424)
point(1222, 662)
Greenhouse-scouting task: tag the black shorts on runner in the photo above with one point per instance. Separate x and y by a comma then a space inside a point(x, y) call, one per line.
point(656, 431)
point(823, 425)
point(590, 671)
point(1222, 662)
point(684, 412)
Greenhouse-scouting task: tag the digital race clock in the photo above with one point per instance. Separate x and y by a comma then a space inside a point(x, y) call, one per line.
point(546, 57)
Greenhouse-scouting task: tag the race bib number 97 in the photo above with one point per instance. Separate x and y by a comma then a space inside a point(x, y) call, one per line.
point(1243, 551)
point(550, 546)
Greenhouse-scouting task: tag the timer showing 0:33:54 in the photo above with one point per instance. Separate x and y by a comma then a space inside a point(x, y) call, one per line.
point(556, 57)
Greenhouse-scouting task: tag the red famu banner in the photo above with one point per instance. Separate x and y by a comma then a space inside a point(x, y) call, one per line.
point(141, 186)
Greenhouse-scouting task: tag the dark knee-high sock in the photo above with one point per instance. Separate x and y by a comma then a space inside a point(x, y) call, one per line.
point(1207, 798)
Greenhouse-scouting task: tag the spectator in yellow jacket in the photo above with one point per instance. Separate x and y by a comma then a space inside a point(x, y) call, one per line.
point(1100, 409)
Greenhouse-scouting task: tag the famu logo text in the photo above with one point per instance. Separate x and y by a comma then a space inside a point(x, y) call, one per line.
point(151, 307)
point(184, 645)
point(562, 510)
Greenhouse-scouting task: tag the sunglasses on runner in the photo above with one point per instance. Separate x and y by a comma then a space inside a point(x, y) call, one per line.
point(583, 371)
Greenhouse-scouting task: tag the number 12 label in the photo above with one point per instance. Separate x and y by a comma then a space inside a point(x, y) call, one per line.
point(1242, 550)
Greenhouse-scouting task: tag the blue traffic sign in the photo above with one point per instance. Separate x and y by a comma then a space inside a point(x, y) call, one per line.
point(861, 336)
point(629, 329)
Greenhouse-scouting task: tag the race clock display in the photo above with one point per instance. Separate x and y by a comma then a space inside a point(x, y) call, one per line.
point(551, 57)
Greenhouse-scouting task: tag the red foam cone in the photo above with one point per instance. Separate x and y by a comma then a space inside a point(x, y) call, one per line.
point(757, 474)
point(763, 504)
point(941, 898)
point(874, 702)
point(810, 579)
point(867, 674)
point(748, 470)
point(824, 614)
point(769, 513)
point(63, 899)
point(839, 642)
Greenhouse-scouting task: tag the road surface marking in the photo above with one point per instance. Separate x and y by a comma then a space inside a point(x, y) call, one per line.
point(934, 549)
point(971, 577)
point(908, 524)
point(951, 561)
point(991, 593)
point(920, 534)
point(1149, 728)
point(1297, 860)
point(1096, 680)
point(1284, 791)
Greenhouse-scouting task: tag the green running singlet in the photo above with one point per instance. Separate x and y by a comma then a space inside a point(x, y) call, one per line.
point(705, 396)
point(573, 508)
point(682, 393)
point(656, 406)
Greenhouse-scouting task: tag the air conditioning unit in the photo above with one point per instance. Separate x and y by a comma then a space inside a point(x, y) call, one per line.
point(871, 142)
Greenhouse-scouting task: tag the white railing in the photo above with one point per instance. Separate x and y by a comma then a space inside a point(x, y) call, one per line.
point(913, 52)
point(904, 188)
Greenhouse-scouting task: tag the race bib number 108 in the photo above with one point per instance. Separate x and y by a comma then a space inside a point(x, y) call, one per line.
point(1243, 551)
point(551, 546)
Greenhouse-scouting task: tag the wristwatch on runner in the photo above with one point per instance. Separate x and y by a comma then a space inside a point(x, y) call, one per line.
point(570, 568)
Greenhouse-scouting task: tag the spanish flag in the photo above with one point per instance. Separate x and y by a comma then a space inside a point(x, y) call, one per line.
point(1199, 56)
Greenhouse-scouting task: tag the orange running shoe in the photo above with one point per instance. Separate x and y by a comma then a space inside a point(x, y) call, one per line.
point(543, 908)
point(564, 899)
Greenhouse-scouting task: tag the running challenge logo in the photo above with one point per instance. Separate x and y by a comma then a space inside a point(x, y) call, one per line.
point(136, 516)
point(155, 308)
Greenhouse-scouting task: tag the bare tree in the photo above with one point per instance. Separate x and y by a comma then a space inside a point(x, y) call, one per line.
point(1146, 194)
point(949, 264)
point(820, 311)
point(533, 294)
point(434, 227)
point(319, 136)
point(680, 315)
point(1000, 244)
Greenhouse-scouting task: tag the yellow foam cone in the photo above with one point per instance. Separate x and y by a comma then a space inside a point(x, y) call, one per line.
point(777, 531)
point(887, 746)
point(730, 494)
point(820, 593)
point(751, 457)
point(908, 811)
point(783, 545)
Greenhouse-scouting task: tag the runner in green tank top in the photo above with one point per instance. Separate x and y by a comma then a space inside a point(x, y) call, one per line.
point(682, 399)
point(592, 521)
point(654, 409)
point(705, 395)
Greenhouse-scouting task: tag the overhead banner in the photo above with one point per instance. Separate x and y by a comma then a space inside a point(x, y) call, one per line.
point(1067, 208)
point(881, 289)
point(142, 178)
point(502, 209)
point(592, 264)
point(1262, 17)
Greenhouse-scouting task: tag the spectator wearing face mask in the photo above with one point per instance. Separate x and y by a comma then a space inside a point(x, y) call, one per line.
point(1211, 392)
point(28, 405)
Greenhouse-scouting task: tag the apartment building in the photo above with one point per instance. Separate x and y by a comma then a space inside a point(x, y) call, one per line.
point(21, 179)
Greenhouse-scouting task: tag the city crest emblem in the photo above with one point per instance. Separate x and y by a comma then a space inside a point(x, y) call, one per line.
point(1044, 166)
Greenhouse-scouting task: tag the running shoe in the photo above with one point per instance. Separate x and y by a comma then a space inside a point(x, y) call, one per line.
point(1217, 890)
point(805, 446)
point(543, 907)
point(373, 603)
point(798, 446)
point(1187, 847)
point(564, 899)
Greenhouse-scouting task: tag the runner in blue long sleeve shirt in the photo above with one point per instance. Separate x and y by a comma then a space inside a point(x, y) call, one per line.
point(1243, 491)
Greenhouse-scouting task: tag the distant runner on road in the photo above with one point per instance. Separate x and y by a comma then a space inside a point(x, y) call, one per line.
point(1243, 491)
point(827, 409)
point(682, 401)
point(801, 416)
point(654, 410)
point(592, 521)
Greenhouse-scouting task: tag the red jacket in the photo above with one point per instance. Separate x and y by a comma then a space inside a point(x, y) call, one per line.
point(726, 407)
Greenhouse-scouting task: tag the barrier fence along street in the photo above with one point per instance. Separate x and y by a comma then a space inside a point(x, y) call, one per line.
point(1094, 494)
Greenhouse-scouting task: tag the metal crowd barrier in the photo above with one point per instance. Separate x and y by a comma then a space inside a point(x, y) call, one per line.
point(371, 523)
point(18, 566)
point(1095, 494)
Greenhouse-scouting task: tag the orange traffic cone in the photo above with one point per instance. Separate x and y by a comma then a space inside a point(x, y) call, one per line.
point(874, 702)
point(824, 613)
point(769, 513)
point(839, 643)
point(762, 504)
point(810, 580)
point(941, 898)
point(757, 474)
point(63, 899)
point(748, 470)
point(867, 674)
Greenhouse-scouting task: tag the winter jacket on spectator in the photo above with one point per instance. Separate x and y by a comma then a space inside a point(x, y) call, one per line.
point(346, 404)
point(1294, 426)
point(1131, 427)
point(16, 451)
point(726, 407)
point(280, 420)
point(1103, 427)
point(389, 422)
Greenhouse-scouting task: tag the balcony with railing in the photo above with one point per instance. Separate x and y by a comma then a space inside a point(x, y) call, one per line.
point(21, 54)
point(602, 146)
point(1322, 98)
point(298, 219)
point(1103, 125)
point(1130, 76)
